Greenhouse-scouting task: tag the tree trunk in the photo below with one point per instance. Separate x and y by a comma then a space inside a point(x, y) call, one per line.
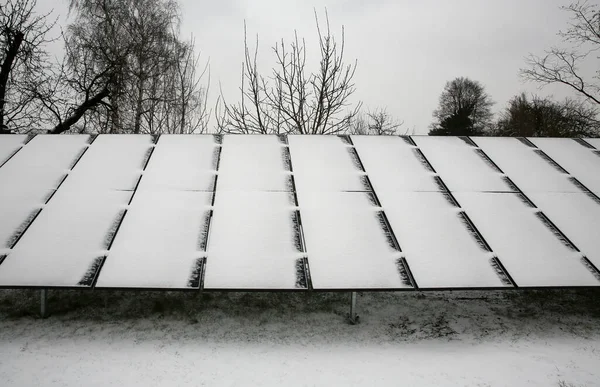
point(11, 54)
point(138, 108)
point(79, 112)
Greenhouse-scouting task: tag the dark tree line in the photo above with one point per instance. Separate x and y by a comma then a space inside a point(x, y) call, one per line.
point(465, 107)
point(465, 110)
point(544, 117)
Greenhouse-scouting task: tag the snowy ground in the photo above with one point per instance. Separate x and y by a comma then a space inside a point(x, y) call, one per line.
point(549, 338)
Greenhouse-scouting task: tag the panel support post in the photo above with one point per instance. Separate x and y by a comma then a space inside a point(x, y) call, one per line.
point(353, 317)
point(44, 303)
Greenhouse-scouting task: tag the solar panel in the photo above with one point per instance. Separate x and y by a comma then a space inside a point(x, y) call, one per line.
point(348, 243)
point(68, 243)
point(441, 246)
point(181, 163)
point(581, 162)
point(254, 242)
point(298, 212)
point(29, 179)
point(528, 167)
point(578, 216)
point(595, 142)
point(393, 164)
point(254, 163)
point(9, 145)
point(160, 242)
point(533, 252)
point(113, 162)
point(325, 163)
point(470, 170)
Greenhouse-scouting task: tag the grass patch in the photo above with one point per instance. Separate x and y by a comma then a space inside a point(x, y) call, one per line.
point(445, 315)
point(573, 302)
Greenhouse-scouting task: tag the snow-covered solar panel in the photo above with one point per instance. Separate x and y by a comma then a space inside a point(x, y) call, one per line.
point(348, 243)
point(325, 163)
point(9, 145)
point(595, 142)
point(393, 164)
point(254, 242)
point(112, 162)
point(30, 177)
point(254, 163)
point(441, 246)
point(73, 231)
point(181, 163)
point(160, 243)
point(531, 250)
point(577, 216)
point(462, 165)
point(298, 212)
point(65, 245)
point(581, 162)
point(529, 168)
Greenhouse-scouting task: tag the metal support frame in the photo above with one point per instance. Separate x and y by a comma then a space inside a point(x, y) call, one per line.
point(44, 303)
point(353, 318)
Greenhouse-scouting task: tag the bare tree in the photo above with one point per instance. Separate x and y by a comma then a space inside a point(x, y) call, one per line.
point(98, 42)
point(23, 34)
point(464, 109)
point(183, 106)
point(563, 65)
point(72, 92)
point(133, 49)
point(378, 122)
point(290, 100)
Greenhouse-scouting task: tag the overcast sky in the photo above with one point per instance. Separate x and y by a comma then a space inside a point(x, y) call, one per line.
point(406, 49)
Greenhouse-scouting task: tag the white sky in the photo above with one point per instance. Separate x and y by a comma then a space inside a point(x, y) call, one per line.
point(406, 49)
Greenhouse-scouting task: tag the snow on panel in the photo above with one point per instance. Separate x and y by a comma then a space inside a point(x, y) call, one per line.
point(325, 163)
point(526, 167)
point(29, 179)
point(394, 165)
point(113, 162)
point(348, 247)
point(65, 245)
point(595, 142)
point(529, 250)
point(581, 162)
point(159, 242)
point(182, 163)
point(9, 144)
point(440, 250)
point(461, 166)
point(254, 163)
point(577, 216)
point(253, 242)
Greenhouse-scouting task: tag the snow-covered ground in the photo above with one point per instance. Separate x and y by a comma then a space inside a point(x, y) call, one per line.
point(549, 338)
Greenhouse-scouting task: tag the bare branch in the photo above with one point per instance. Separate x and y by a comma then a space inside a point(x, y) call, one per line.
point(291, 101)
point(562, 66)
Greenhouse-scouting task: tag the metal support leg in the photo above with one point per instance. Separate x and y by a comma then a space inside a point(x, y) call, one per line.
point(44, 303)
point(353, 318)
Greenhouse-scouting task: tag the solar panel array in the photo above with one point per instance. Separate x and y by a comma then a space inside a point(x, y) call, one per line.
point(244, 212)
